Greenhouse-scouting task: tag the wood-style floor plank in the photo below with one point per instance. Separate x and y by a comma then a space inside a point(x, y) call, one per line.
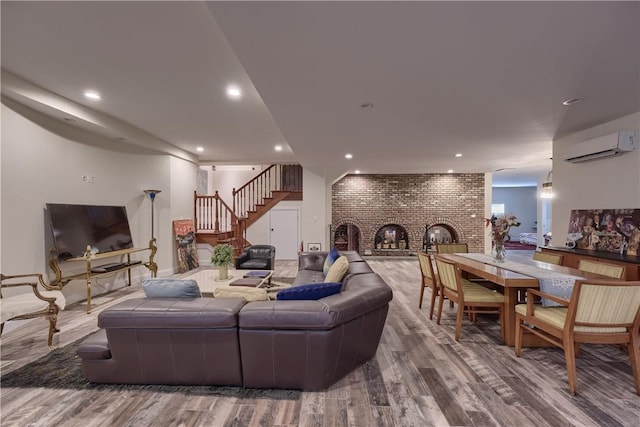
point(420, 376)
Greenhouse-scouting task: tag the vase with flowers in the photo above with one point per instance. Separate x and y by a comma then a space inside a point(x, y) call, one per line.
point(500, 226)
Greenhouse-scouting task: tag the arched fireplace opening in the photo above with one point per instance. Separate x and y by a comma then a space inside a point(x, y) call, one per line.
point(438, 233)
point(391, 237)
point(347, 238)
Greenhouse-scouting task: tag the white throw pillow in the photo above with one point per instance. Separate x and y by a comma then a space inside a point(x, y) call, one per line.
point(249, 294)
point(338, 270)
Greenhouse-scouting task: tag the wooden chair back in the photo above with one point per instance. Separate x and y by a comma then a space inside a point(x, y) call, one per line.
point(452, 248)
point(599, 312)
point(449, 274)
point(548, 258)
point(603, 269)
point(471, 298)
point(429, 278)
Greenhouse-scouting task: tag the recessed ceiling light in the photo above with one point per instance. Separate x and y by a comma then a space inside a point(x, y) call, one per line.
point(458, 154)
point(348, 156)
point(367, 105)
point(278, 148)
point(450, 171)
point(572, 101)
point(234, 92)
point(92, 94)
point(357, 171)
point(199, 149)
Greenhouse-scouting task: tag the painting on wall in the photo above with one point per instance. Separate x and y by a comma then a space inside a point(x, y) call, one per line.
point(606, 230)
point(186, 244)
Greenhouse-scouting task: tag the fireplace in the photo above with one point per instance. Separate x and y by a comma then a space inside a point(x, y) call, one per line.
point(347, 238)
point(438, 233)
point(391, 238)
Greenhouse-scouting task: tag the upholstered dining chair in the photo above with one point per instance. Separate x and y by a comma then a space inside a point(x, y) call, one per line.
point(602, 268)
point(470, 297)
point(599, 312)
point(430, 279)
point(452, 248)
point(548, 258)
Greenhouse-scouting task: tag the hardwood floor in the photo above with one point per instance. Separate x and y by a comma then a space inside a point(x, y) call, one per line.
point(419, 377)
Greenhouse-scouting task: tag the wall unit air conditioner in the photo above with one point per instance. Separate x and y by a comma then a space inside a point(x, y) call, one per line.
point(604, 146)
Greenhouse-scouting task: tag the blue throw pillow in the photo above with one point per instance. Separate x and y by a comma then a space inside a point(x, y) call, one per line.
point(171, 288)
point(332, 256)
point(313, 291)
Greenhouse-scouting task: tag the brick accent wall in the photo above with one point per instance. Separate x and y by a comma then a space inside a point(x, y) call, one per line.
point(414, 201)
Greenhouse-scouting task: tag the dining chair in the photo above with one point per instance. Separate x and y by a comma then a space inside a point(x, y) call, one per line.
point(452, 248)
point(599, 312)
point(602, 268)
point(430, 279)
point(548, 258)
point(470, 297)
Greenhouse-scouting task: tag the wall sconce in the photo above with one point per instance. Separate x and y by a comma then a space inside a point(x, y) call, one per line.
point(547, 188)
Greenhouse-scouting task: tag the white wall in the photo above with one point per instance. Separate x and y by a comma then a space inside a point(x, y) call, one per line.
point(42, 164)
point(520, 201)
point(313, 218)
point(607, 183)
point(225, 179)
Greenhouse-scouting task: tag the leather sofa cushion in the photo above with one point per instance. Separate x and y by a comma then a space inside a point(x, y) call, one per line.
point(163, 313)
point(95, 346)
point(308, 276)
point(311, 261)
point(259, 253)
point(361, 294)
point(255, 264)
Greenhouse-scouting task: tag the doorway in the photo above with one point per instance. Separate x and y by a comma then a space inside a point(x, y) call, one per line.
point(283, 233)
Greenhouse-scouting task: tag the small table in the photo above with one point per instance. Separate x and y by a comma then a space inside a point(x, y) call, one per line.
point(208, 278)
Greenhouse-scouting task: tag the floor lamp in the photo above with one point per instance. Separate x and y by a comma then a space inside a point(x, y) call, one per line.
point(152, 243)
point(152, 196)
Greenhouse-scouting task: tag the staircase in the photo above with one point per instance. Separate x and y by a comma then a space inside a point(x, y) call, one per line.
point(216, 222)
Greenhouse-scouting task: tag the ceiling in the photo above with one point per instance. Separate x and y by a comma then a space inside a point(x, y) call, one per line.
point(485, 79)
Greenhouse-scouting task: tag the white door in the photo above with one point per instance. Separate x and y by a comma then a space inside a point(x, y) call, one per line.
point(283, 233)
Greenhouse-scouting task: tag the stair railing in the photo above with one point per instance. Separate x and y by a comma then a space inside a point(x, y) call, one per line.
point(273, 178)
point(213, 215)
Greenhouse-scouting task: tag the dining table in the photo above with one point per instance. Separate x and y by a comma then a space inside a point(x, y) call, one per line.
point(514, 276)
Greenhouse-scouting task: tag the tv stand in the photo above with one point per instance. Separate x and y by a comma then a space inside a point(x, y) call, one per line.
point(100, 270)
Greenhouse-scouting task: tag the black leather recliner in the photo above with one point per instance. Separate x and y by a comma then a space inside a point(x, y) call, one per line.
point(257, 257)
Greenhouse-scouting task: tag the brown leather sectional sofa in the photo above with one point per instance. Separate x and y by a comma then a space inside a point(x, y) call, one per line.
point(303, 344)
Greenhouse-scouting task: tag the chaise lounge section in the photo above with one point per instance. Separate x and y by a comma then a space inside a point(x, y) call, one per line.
point(291, 344)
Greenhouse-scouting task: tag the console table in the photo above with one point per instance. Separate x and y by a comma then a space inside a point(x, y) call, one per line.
point(61, 279)
point(571, 258)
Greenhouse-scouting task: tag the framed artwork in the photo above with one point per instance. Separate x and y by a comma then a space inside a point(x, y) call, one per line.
point(186, 245)
point(605, 230)
point(314, 247)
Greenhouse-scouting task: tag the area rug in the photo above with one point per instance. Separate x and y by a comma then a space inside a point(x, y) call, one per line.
point(61, 369)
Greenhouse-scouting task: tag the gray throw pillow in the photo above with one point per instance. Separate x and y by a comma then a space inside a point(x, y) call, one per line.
point(171, 288)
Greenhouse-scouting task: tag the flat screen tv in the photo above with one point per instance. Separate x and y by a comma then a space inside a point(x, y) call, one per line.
point(104, 228)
